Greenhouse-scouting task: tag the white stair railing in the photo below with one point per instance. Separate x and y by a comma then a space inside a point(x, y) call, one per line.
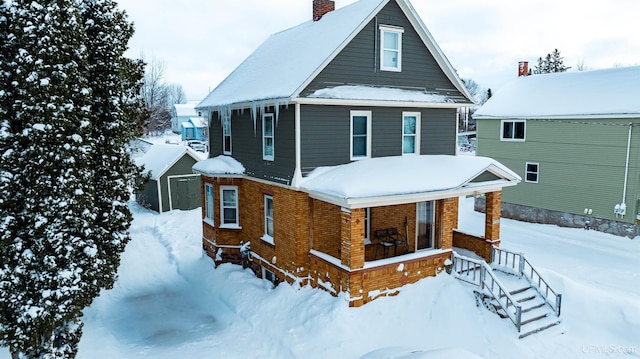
point(516, 263)
point(478, 273)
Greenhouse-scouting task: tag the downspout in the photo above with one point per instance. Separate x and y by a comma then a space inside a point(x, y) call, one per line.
point(297, 173)
point(623, 205)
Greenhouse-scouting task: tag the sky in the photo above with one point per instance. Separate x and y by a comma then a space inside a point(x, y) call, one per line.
point(201, 41)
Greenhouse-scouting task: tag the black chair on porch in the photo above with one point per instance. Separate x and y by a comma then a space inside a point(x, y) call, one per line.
point(398, 240)
point(383, 240)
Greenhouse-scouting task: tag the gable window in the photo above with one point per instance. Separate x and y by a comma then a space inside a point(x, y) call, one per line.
point(208, 203)
point(267, 136)
point(391, 48)
point(411, 133)
point(512, 130)
point(268, 219)
point(532, 172)
point(226, 135)
point(229, 206)
point(360, 134)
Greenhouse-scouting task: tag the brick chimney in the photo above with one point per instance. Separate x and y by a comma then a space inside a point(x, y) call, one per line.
point(321, 7)
point(523, 68)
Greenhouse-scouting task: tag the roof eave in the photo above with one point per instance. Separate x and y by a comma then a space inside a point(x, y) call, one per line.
point(375, 103)
point(391, 200)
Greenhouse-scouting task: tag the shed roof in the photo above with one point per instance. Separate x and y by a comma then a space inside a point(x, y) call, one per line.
point(610, 93)
point(309, 47)
point(159, 158)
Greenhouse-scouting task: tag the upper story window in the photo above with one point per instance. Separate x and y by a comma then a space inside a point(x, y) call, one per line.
point(391, 48)
point(226, 135)
point(532, 171)
point(229, 206)
point(267, 137)
point(208, 203)
point(511, 130)
point(411, 133)
point(360, 134)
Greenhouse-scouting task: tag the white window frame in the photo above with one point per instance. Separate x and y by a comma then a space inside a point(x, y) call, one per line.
point(209, 200)
point(353, 114)
point(512, 138)
point(226, 119)
point(527, 172)
point(268, 237)
point(395, 30)
point(416, 135)
point(223, 222)
point(265, 156)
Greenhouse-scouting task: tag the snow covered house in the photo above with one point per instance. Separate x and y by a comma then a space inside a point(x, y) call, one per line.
point(172, 183)
point(336, 161)
point(181, 112)
point(195, 128)
point(574, 139)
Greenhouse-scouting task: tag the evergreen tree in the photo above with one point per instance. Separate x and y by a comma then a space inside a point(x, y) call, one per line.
point(553, 62)
point(64, 172)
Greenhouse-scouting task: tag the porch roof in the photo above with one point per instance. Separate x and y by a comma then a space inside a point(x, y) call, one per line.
point(394, 180)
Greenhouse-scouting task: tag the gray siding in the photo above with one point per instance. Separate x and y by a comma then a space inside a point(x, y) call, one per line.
point(182, 167)
point(581, 164)
point(359, 62)
point(246, 143)
point(325, 133)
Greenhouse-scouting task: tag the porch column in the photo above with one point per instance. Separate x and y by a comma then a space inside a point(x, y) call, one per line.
point(492, 216)
point(352, 238)
point(449, 215)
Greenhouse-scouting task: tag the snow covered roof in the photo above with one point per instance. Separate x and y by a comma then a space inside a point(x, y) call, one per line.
point(220, 165)
point(186, 109)
point(198, 121)
point(161, 157)
point(401, 179)
point(268, 75)
point(610, 93)
point(378, 93)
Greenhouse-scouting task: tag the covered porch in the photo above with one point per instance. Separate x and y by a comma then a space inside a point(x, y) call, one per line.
point(369, 240)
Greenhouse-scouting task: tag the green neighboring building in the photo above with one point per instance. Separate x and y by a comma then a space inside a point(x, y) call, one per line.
point(574, 138)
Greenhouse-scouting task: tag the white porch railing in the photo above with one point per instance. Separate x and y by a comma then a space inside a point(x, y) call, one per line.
point(478, 273)
point(516, 263)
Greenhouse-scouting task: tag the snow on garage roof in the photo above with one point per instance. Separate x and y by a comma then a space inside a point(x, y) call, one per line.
point(160, 157)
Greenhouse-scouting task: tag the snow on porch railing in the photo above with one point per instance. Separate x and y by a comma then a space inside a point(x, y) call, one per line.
point(516, 263)
point(478, 273)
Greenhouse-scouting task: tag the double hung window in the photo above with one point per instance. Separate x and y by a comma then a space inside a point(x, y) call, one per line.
point(391, 48)
point(267, 137)
point(229, 206)
point(360, 134)
point(226, 135)
point(411, 133)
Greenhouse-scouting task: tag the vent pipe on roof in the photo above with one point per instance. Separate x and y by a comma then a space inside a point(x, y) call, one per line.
point(321, 7)
point(523, 68)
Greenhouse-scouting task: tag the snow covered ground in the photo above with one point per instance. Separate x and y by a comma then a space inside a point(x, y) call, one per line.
point(170, 302)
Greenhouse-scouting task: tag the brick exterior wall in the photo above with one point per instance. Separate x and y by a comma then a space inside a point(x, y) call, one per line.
point(302, 223)
point(365, 285)
point(478, 245)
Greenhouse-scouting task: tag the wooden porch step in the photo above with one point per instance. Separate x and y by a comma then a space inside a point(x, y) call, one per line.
point(538, 326)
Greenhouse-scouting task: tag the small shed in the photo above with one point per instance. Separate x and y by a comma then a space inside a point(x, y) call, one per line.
point(172, 183)
point(196, 128)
